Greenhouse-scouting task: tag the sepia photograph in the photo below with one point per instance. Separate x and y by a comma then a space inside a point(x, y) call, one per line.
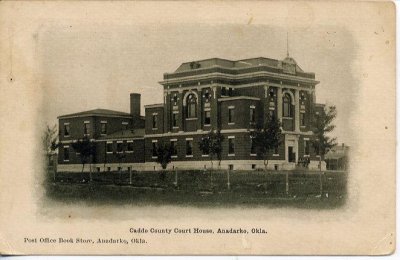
point(244, 128)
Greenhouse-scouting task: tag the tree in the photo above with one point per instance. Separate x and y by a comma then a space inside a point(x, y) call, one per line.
point(322, 125)
point(86, 149)
point(50, 141)
point(164, 153)
point(211, 144)
point(267, 137)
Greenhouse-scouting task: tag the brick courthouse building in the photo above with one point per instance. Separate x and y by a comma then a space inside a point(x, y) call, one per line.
point(199, 96)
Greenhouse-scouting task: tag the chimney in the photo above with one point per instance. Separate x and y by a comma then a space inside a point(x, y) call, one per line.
point(135, 104)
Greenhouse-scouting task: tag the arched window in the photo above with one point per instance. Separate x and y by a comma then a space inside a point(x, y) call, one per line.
point(191, 106)
point(287, 106)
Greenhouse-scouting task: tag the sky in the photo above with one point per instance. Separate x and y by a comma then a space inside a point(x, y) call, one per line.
point(98, 65)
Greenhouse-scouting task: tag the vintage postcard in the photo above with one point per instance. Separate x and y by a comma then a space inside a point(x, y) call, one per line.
point(197, 128)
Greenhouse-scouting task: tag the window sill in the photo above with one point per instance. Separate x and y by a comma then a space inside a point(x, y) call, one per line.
point(66, 160)
point(306, 155)
point(67, 136)
point(175, 127)
point(192, 118)
point(109, 152)
point(174, 156)
point(286, 117)
point(318, 156)
point(129, 151)
point(103, 134)
point(189, 156)
point(204, 155)
point(275, 154)
point(232, 123)
point(154, 129)
point(154, 157)
point(253, 154)
point(231, 154)
point(208, 125)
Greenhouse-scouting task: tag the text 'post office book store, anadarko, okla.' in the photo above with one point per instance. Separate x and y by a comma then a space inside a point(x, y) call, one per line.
point(232, 96)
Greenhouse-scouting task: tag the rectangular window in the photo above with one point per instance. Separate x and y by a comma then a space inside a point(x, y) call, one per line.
point(66, 153)
point(103, 128)
point(223, 91)
point(154, 149)
point(129, 147)
point(174, 148)
point(66, 129)
point(86, 128)
point(206, 141)
point(109, 147)
point(231, 146)
point(231, 114)
point(252, 146)
point(252, 115)
point(174, 120)
point(302, 119)
point(189, 147)
point(306, 147)
point(276, 150)
point(207, 117)
point(154, 121)
point(120, 147)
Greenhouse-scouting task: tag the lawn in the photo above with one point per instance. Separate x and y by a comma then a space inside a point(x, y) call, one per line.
point(203, 188)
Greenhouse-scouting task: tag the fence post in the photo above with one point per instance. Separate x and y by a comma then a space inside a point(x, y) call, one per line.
point(130, 176)
point(287, 182)
point(229, 184)
point(176, 178)
point(320, 183)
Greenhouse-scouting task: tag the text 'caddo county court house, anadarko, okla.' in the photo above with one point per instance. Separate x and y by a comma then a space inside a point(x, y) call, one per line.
point(232, 96)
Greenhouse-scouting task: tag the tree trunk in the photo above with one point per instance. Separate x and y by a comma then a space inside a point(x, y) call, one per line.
point(130, 176)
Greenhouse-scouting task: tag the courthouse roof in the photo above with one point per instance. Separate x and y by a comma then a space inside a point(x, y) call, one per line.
point(232, 68)
point(252, 62)
point(97, 112)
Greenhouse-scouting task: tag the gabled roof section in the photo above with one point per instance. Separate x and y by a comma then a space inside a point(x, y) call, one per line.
point(97, 112)
point(252, 62)
point(233, 68)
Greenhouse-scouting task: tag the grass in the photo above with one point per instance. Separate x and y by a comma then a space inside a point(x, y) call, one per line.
point(195, 188)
